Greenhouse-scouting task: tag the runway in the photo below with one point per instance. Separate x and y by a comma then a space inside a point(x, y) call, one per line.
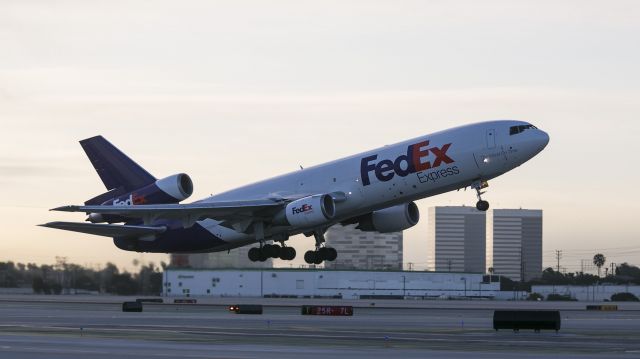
point(77, 330)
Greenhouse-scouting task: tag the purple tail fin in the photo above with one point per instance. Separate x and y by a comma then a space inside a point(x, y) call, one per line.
point(118, 172)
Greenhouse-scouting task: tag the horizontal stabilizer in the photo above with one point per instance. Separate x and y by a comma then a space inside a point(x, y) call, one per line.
point(107, 230)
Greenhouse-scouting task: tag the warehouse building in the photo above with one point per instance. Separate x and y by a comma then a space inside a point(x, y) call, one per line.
point(303, 283)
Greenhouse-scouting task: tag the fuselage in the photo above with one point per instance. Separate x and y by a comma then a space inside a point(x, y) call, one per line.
point(394, 174)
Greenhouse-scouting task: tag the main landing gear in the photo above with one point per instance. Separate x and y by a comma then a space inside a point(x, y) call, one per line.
point(264, 252)
point(321, 253)
point(481, 205)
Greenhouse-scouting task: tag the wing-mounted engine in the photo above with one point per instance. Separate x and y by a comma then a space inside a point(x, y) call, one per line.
point(392, 219)
point(172, 189)
point(307, 212)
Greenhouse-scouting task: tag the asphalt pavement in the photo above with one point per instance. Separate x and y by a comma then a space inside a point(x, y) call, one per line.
point(78, 329)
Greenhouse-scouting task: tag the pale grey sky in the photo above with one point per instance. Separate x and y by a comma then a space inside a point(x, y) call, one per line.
point(233, 92)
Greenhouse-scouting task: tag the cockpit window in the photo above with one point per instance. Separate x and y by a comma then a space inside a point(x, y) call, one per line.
point(514, 130)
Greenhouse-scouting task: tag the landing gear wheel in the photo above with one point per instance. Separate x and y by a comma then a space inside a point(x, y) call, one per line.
point(478, 185)
point(310, 257)
point(254, 254)
point(272, 250)
point(322, 252)
point(266, 249)
point(482, 205)
point(331, 254)
point(277, 251)
point(288, 253)
point(263, 255)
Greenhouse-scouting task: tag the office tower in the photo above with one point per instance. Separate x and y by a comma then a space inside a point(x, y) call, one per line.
point(456, 239)
point(514, 243)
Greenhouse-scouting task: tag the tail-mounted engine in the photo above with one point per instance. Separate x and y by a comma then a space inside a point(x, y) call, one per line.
point(172, 189)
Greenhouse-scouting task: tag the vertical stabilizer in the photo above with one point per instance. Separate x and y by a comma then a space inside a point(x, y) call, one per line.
point(116, 170)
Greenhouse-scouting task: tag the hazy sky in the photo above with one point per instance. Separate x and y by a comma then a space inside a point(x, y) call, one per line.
point(237, 91)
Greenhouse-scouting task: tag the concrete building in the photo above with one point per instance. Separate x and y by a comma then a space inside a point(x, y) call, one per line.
point(364, 250)
point(514, 243)
point(236, 258)
point(301, 283)
point(456, 239)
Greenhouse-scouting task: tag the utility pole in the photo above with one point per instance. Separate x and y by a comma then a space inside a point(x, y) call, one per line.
point(613, 269)
point(558, 256)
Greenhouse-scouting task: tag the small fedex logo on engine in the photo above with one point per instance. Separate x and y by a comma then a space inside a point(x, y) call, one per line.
point(419, 157)
point(305, 208)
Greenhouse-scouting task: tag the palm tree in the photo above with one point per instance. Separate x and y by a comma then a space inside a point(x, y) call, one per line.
point(599, 261)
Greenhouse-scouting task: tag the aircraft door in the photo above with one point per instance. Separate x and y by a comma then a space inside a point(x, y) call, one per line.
point(491, 138)
point(491, 160)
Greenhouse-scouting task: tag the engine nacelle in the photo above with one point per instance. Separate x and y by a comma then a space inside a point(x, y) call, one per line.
point(177, 186)
point(392, 219)
point(308, 212)
point(172, 189)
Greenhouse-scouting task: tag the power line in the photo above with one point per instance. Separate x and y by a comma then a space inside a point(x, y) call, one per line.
point(600, 249)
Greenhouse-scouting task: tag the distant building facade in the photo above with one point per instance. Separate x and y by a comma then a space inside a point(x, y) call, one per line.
point(514, 243)
point(235, 259)
point(364, 250)
point(456, 239)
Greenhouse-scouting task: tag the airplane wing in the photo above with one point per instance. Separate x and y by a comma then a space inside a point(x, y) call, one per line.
point(107, 230)
point(227, 211)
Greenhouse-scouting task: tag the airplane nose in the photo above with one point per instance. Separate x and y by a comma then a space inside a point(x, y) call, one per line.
point(544, 139)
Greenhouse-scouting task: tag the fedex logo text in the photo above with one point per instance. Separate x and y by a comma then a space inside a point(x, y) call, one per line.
point(129, 201)
point(124, 202)
point(303, 209)
point(411, 162)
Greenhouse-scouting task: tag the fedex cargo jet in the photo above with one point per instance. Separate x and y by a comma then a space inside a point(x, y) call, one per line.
point(375, 190)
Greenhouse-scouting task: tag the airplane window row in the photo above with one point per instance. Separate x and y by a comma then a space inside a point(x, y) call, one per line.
point(514, 130)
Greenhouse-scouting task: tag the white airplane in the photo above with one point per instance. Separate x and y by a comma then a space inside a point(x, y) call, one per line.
point(374, 190)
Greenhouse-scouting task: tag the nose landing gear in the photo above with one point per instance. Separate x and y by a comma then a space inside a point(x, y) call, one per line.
point(481, 205)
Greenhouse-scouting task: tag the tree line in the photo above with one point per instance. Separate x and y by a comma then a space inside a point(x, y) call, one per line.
point(69, 278)
point(624, 273)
